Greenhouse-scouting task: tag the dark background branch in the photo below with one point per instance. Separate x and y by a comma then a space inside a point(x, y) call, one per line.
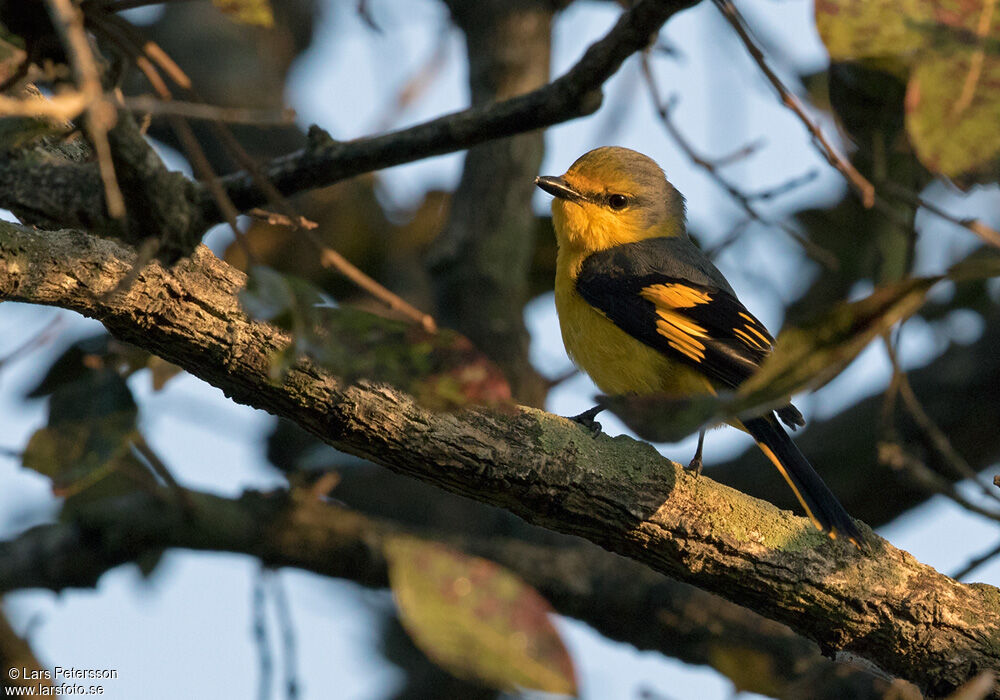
point(620, 598)
point(488, 241)
point(575, 94)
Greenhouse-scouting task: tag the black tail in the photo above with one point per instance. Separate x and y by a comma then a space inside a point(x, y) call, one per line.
point(821, 505)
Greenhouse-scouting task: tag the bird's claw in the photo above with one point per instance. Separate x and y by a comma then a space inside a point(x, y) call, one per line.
point(586, 419)
point(695, 466)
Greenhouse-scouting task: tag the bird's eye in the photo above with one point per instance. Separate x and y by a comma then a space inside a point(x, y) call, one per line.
point(617, 201)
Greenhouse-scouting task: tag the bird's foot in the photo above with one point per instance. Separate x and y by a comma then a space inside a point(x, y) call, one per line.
point(586, 419)
point(695, 466)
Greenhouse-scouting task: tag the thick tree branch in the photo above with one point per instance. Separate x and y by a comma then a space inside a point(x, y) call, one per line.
point(621, 494)
point(620, 598)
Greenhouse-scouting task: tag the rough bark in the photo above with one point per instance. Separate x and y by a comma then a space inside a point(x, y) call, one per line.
point(621, 494)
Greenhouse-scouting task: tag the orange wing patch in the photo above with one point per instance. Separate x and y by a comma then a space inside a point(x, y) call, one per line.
point(681, 332)
point(674, 296)
point(751, 333)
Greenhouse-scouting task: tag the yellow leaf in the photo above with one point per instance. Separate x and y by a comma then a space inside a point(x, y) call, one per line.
point(256, 12)
point(476, 619)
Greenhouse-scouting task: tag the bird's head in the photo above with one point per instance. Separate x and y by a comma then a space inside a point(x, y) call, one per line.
point(611, 196)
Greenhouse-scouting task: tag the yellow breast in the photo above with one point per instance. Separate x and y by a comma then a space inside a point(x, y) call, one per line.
point(617, 362)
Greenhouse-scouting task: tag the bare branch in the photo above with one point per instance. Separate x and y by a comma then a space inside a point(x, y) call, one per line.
point(100, 115)
point(976, 562)
point(987, 233)
point(663, 108)
point(195, 110)
point(574, 94)
point(64, 107)
point(858, 181)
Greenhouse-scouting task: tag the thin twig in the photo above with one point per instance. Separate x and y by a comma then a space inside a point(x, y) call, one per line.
point(163, 471)
point(893, 455)
point(64, 107)
point(365, 13)
point(37, 340)
point(287, 626)
point(275, 219)
point(740, 153)
point(784, 188)
point(976, 65)
point(261, 637)
point(663, 108)
point(418, 83)
point(858, 181)
point(933, 434)
point(735, 233)
point(127, 39)
point(329, 257)
point(986, 233)
point(561, 377)
point(194, 110)
point(100, 115)
point(975, 563)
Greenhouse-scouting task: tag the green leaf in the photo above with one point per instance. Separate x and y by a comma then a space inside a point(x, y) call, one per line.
point(476, 619)
point(853, 29)
point(809, 356)
point(979, 265)
point(951, 54)
point(953, 108)
point(86, 447)
point(256, 12)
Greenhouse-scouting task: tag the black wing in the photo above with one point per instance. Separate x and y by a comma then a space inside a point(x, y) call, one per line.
point(702, 325)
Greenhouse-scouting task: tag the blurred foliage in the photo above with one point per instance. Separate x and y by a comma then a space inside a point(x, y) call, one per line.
point(913, 82)
point(86, 446)
point(248, 11)
point(440, 370)
point(949, 57)
point(424, 679)
point(477, 619)
point(386, 243)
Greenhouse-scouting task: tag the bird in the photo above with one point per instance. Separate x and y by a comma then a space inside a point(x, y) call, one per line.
point(643, 310)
